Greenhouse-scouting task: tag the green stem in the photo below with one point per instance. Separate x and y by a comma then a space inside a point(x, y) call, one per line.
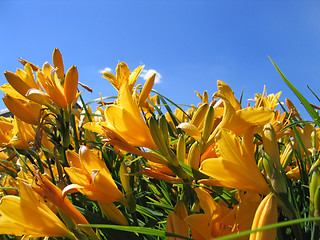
point(75, 133)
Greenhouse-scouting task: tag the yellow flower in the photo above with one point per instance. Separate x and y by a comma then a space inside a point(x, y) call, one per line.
point(225, 92)
point(9, 184)
point(15, 133)
point(266, 214)
point(239, 120)
point(46, 88)
point(23, 83)
point(118, 142)
point(91, 177)
point(65, 96)
point(46, 189)
point(270, 101)
point(175, 222)
point(126, 120)
point(235, 166)
point(29, 215)
point(28, 112)
point(123, 76)
point(218, 220)
point(205, 225)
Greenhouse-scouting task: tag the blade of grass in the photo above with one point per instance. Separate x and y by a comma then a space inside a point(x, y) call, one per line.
point(304, 101)
point(313, 93)
point(142, 230)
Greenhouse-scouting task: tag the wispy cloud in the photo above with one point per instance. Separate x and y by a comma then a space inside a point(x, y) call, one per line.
point(145, 74)
point(106, 69)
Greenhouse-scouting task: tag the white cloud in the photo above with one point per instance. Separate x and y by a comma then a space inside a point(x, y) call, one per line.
point(106, 69)
point(145, 74)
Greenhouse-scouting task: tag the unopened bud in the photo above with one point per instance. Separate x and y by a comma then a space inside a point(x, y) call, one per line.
point(286, 156)
point(279, 183)
point(58, 63)
point(181, 149)
point(313, 186)
point(316, 201)
point(268, 166)
point(163, 125)
point(208, 124)
point(194, 156)
point(270, 144)
point(125, 180)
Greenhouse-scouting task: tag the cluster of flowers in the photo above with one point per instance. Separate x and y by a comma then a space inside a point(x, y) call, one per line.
point(212, 170)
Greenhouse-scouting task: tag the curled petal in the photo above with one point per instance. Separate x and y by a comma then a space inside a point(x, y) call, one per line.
point(191, 130)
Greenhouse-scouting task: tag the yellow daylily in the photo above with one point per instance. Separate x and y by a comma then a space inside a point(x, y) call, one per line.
point(65, 96)
point(270, 101)
point(235, 166)
point(123, 76)
point(22, 83)
point(28, 112)
point(235, 118)
point(205, 225)
point(225, 92)
point(91, 177)
point(46, 189)
point(28, 214)
point(9, 185)
point(126, 120)
point(118, 142)
point(8, 164)
point(239, 120)
point(204, 97)
point(16, 133)
point(46, 88)
point(218, 220)
point(175, 222)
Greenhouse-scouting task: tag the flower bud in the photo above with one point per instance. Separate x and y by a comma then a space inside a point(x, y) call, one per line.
point(194, 156)
point(58, 63)
point(286, 156)
point(71, 85)
point(208, 124)
point(270, 144)
point(313, 188)
point(125, 180)
point(265, 214)
point(316, 201)
point(181, 149)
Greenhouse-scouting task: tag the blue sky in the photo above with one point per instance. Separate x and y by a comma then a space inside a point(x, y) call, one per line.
point(191, 44)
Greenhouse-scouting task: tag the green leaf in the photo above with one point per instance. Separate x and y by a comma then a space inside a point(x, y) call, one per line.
point(9, 188)
point(142, 230)
point(193, 172)
point(149, 212)
point(315, 116)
